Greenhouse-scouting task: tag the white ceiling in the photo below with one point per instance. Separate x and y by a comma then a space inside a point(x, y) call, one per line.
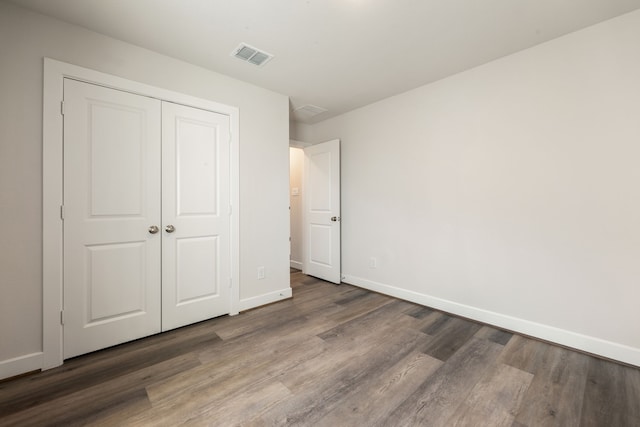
point(336, 54)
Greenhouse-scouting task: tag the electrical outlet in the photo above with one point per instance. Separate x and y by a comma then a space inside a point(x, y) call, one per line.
point(261, 273)
point(373, 262)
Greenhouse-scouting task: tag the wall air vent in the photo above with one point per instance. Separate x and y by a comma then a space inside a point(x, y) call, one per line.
point(251, 54)
point(310, 110)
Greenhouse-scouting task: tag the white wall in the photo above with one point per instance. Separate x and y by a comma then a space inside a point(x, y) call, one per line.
point(509, 193)
point(296, 165)
point(300, 132)
point(25, 38)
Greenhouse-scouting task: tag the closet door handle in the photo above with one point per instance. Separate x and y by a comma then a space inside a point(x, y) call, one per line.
point(153, 229)
point(169, 228)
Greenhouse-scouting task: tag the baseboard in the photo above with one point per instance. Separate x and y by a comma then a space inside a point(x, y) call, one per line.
point(246, 304)
point(296, 264)
point(19, 365)
point(597, 346)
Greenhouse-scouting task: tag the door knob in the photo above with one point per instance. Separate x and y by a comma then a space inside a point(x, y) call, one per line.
point(169, 228)
point(153, 229)
point(335, 218)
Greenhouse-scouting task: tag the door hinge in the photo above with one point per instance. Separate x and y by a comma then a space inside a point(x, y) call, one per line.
point(62, 107)
point(230, 283)
point(62, 212)
point(62, 317)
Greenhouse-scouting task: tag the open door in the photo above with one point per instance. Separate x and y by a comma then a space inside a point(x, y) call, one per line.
point(321, 217)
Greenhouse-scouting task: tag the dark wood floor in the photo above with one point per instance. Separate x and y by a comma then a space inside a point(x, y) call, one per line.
point(331, 356)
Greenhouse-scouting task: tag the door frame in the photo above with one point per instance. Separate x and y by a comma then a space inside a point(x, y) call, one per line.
point(52, 185)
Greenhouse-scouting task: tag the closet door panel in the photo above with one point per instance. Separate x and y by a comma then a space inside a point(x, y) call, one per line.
point(111, 198)
point(195, 211)
point(196, 168)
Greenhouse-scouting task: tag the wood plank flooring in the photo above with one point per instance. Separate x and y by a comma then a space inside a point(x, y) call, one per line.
point(331, 356)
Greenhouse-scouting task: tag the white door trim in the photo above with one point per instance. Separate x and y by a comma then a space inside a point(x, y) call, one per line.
point(52, 173)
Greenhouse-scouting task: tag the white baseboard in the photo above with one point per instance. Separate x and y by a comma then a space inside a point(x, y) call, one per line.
point(19, 365)
point(563, 337)
point(296, 264)
point(246, 304)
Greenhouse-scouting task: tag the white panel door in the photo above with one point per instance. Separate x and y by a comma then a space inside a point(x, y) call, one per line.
point(111, 199)
point(196, 266)
point(322, 211)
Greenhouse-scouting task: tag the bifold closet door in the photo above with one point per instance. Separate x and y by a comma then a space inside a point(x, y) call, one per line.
point(112, 160)
point(196, 270)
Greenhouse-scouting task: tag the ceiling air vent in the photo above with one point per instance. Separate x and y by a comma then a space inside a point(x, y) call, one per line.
point(251, 54)
point(310, 110)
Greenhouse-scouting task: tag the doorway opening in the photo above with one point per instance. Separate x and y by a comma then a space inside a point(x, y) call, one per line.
point(296, 175)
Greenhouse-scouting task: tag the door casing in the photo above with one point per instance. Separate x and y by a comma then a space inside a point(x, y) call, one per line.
point(52, 201)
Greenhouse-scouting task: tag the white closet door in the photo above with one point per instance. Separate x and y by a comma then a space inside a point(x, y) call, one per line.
point(111, 198)
point(196, 269)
